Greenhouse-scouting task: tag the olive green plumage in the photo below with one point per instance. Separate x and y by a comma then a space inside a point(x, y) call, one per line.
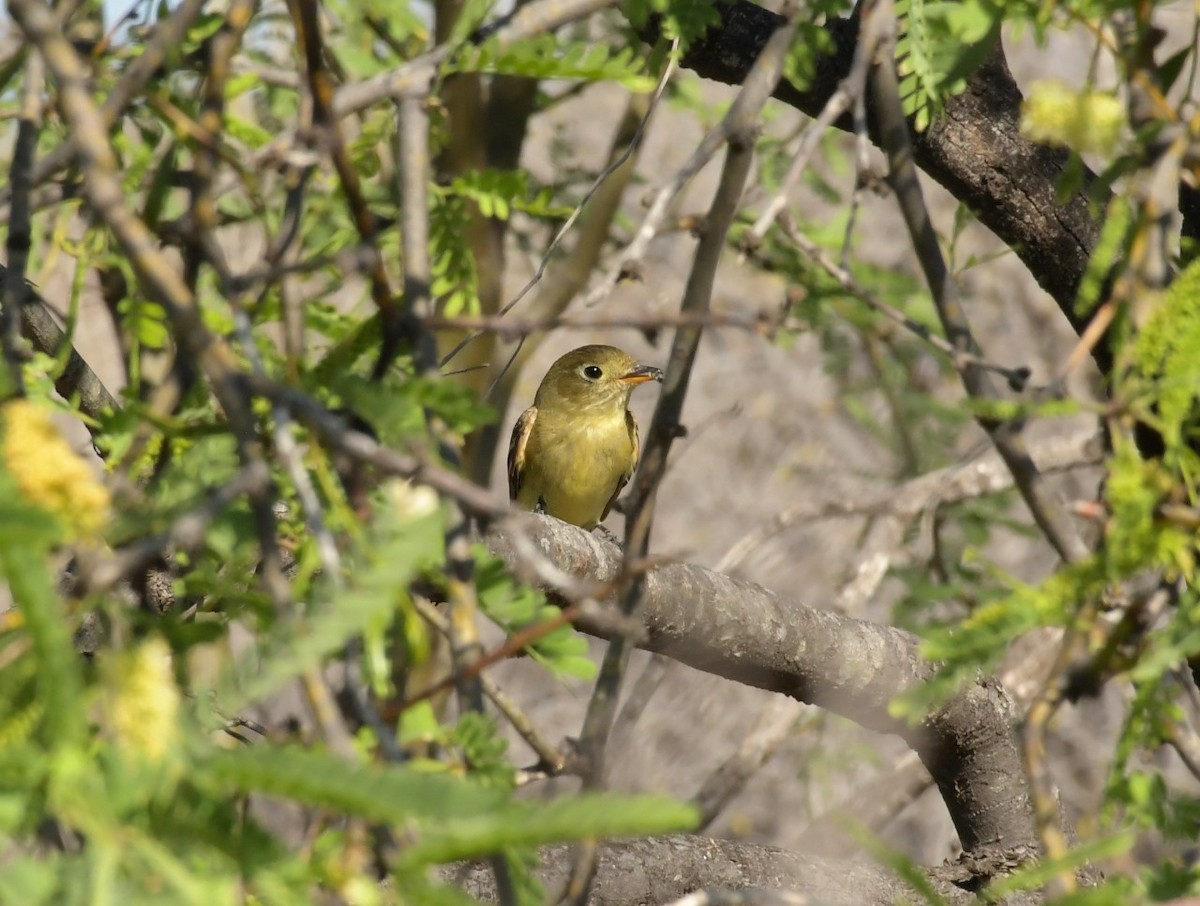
point(575, 448)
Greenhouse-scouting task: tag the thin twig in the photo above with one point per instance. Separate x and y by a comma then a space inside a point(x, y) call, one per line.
point(763, 323)
point(167, 37)
point(1048, 511)
point(76, 380)
point(850, 91)
point(960, 358)
point(19, 227)
point(414, 171)
point(306, 19)
point(625, 155)
point(775, 725)
point(185, 533)
point(551, 759)
point(203, 246)
point(636, 701)
point(106, 196)
point(738, 130)
point(962, 481)
point(414, 78)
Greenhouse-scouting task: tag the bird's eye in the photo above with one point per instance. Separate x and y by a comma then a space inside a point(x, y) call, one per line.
point(592, 372)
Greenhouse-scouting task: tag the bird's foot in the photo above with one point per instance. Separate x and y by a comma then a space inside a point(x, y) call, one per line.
point(608, 534)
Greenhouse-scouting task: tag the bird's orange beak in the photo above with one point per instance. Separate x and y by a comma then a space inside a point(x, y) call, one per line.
point(642, 373)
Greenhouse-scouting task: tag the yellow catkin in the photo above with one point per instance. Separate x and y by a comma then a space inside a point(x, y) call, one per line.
point(48, 472)
point(1086, 121)
point(144, 701)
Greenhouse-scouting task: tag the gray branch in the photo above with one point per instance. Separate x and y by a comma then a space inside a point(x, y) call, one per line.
point(662, 869)
point(745, 633)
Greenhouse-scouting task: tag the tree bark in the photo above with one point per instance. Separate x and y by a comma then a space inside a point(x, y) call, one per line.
point(743, 632)
point(662, 869)
point(974, 149)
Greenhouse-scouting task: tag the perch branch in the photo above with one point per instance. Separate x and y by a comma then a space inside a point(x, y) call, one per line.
point(849, 666)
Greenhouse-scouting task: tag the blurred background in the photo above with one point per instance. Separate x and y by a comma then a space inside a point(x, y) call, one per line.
point(800, 419)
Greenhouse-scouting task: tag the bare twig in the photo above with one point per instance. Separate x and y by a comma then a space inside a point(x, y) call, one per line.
point(347, 261)
point(738, 130)
point(364, 448)
point(850, 91)
point(77, 380)
point(413, 139)
point(167, 36)
point(775, 725)
point(551, 759)
point(648, 682)
point(1048, 511)
point(284, 255)
point(414, 78)
point(185, 533)
point(106, 196)
point(764, 323)
point(306, 19)
point(975, 478)
point(19, 228)
point(960, 358)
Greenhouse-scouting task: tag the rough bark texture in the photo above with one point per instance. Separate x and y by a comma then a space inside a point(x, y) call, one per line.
point(743, 632)
point(662, 869)
point(974, 149)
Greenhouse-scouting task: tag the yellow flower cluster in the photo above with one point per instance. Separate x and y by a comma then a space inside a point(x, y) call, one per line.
point(48, 472)
point(144, 701)
point(1086, 121)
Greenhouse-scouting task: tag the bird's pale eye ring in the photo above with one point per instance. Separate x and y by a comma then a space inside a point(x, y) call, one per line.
point(592, 372)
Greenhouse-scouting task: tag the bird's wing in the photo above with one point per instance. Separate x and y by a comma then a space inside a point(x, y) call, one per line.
point(516, 450)
point(630, 423)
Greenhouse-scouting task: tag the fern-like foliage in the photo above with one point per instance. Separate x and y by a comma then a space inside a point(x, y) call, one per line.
point(1167, 350)
point(939, 45)
point(546, 57)
point(455, 283)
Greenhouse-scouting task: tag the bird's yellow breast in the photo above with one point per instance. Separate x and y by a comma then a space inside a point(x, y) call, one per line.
point(575, 465)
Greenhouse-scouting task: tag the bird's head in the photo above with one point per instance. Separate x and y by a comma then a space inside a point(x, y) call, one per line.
point(593, 377)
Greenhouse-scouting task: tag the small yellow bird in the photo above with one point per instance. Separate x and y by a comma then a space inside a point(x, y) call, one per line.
point(575, 448)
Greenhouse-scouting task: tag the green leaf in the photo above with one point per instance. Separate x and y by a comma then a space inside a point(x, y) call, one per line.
point(394, 793)
point(1167, 349)
point(248, 133)
point(514, 607)
point(160, 187)
point(940, 44)
point(685, 20)
point(455, 284)
point(548, 57)
point(399, 547)
point(535, 824)
point(59, 681)
point(32, 880)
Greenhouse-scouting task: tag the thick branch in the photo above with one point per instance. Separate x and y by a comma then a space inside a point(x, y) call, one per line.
point(39, 326)
point(661, 869)
point(745, 633)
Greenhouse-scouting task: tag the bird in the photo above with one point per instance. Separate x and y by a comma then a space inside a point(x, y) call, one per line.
point(576, 447)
